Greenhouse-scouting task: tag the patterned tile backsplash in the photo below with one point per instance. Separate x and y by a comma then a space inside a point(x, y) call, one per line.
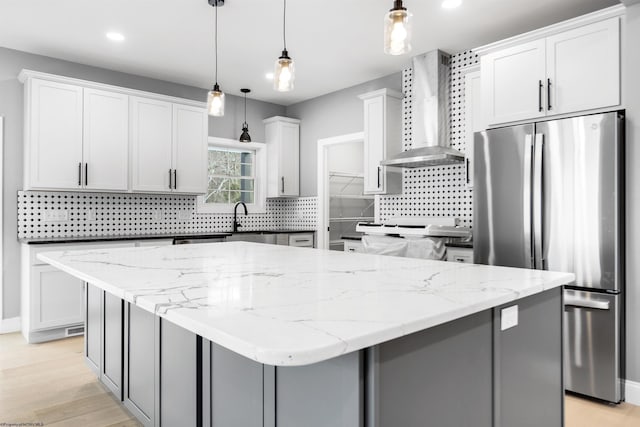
point(101, 214)
point(439, 191)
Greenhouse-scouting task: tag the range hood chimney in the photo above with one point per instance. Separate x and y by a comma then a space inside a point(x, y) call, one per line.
point(430, 115)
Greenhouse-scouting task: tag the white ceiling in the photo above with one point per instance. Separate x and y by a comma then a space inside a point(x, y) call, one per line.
point(335, 43)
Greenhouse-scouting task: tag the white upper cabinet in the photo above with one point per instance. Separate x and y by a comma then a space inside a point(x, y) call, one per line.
point(575, 68)
point(190, 128)
point(86, 136)
point(382, 140)
point(513, 83)
point(151, 145)
point(583, 68)
point(53, 149)
point(283, 156)
point(106, 140)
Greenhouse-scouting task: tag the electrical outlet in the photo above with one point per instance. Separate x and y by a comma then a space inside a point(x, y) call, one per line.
point(184, 215)
point(91, 215)
point(56, 215)
point(156, 215)
point(508, 317)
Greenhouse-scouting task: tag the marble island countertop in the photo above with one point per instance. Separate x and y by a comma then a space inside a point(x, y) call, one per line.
point(288, 306)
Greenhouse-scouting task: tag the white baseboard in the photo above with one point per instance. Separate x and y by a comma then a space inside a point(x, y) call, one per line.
point(8, 326)
point(632, 392)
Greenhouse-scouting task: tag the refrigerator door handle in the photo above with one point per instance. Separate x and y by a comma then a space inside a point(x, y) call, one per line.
point(526, 200)
point(537, 201)
point(585, 303)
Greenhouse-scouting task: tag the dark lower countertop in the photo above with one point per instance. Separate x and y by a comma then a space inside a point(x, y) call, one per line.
point(208, 235)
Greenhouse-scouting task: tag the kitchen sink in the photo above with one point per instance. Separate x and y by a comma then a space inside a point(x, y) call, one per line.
point(257, 237)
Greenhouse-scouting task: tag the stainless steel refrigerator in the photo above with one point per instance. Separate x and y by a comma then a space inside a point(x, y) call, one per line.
point(550, 196)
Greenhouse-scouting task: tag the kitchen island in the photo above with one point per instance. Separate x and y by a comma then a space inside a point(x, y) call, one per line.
point(246, 334)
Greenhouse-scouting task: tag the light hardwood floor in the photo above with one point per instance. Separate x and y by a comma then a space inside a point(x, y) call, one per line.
point(49, 383)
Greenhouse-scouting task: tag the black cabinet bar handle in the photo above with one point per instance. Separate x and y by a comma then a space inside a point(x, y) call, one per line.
point(283, 184)
point(540, 86)
point(467, 171)
point(378, 176)
point(86, 174)
point(170, 187)
point(549, 94)
point(79, 174)
point(175, 179)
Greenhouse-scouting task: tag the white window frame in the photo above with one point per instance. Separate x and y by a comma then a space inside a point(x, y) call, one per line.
point(260, 176)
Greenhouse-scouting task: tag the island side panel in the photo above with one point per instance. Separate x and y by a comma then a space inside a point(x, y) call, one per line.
point(328, 393)
point(113, 334)
point(179, 372)
point(440, 377)
point(529, 386)
point(233, 388)
point(141, 370)
point(93, 328)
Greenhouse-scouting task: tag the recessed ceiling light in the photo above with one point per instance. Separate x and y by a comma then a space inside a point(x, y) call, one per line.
point(115, 37)
point(451, 4)
point(269, 76)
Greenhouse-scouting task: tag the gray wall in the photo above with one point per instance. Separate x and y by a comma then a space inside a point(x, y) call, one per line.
point(334, 114)
point(631, 87)
point(11, 107)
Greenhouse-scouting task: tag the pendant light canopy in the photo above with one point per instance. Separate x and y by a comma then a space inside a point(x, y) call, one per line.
point(397, 30)
point(284, 72)
point(245, 137)
point(215, 98)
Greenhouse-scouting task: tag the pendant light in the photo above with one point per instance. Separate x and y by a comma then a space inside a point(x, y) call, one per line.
point(284, 72)
point(215, 98)
point(397, 30)
point(245, 137)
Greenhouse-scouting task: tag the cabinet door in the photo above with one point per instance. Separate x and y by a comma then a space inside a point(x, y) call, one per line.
point(58, 298)
point(151, 144)
point(289, 159)
point(106, 140)
point(190, 149)
point(583, 68)
point(112, 332)
point(54, 135)
point(513, 83)
point(374, 149)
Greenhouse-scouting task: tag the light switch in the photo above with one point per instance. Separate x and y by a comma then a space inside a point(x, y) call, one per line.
point(508, 317)
point(55, 215)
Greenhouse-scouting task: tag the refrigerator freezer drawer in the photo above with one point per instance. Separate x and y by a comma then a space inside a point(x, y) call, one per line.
point(592, 348)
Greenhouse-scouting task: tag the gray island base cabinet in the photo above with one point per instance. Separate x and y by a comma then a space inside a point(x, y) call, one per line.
point(467, 372)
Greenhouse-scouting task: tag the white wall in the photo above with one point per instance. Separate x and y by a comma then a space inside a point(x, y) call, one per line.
point(348, 157)
point(631, 88)
point(11, 107)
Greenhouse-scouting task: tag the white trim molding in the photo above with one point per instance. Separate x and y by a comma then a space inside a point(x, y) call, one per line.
point(11, 325)
point(30, 74)
point(632, 392)
point(599, 15)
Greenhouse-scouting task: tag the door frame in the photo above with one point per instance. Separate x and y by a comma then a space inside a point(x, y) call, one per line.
point(323, 181)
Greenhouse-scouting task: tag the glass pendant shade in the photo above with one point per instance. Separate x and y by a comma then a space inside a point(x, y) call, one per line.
point(215, 102)
point(397, 31)
point(284, 73)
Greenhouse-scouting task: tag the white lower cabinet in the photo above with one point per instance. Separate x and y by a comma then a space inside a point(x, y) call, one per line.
point(53, 302)
point(57, 298)
point(460, 255)
point(353, 246)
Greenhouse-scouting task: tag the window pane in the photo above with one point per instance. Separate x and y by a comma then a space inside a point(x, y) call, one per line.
point(246, 169)
point(247, 157)
point(246, 196)
point(246, 184)
point(234, 197)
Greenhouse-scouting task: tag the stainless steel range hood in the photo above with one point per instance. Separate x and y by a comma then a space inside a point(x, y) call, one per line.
point(430, 115)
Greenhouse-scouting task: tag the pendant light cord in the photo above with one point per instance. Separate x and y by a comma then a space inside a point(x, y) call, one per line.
point(216, 42)
point(245, 108)
point(284, 25)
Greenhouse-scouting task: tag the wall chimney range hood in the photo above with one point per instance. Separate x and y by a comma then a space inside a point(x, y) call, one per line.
point(430, 115)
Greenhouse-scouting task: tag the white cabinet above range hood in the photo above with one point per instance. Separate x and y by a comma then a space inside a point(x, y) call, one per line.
point(430, 115)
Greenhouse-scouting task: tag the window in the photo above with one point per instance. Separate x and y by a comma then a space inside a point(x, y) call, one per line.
point(235, 174)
